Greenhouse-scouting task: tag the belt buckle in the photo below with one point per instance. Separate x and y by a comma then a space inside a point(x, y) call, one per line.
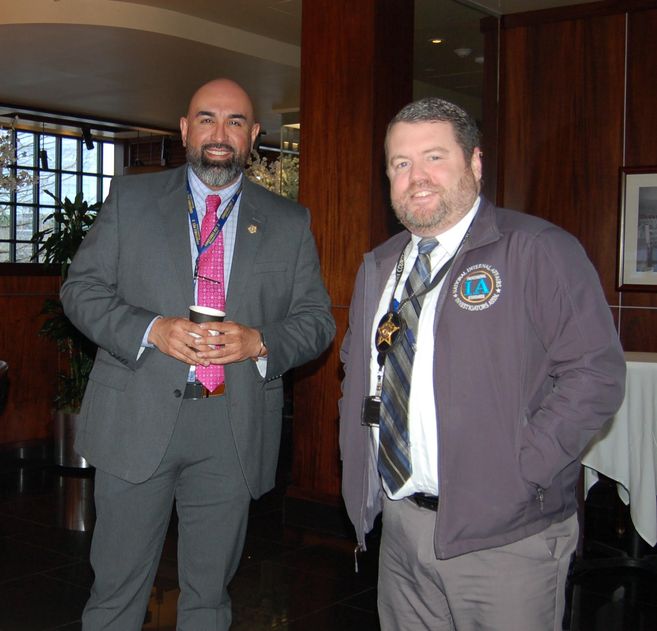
point(429, 502)
point(217, 392)
point(195, 390)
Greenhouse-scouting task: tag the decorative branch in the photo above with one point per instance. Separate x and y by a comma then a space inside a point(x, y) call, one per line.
point(280, 175)
point(11, 177)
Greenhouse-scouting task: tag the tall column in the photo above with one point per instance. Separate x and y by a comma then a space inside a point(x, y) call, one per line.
point(356, 73)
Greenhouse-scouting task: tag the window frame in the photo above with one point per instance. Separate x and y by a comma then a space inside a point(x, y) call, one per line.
point(40, 203)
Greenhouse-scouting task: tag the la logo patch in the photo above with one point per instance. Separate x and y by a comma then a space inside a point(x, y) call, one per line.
point(477, 288)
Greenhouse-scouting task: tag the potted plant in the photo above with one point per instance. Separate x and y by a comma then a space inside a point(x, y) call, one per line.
point(58, 245)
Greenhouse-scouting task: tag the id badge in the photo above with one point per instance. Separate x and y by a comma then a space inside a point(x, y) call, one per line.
point(370, 411)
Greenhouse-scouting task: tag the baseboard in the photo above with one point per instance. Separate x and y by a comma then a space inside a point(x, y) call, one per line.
point(32, 451)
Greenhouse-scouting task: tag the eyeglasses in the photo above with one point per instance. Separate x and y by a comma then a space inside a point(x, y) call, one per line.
point(198, 276)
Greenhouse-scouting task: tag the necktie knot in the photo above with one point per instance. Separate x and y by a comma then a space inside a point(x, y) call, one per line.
point(212, 202)
point(426, 245)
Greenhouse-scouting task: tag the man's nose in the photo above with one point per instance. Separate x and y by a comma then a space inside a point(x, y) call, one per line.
point(418, 172)
point(219, 133)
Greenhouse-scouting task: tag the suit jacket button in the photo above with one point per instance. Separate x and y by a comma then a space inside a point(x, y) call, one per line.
point(177, 393)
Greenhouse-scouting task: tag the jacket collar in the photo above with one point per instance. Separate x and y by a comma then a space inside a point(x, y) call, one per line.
point(175, 224)
point(484, 228)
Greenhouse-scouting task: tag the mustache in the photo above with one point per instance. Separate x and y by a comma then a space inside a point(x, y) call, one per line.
point(432, 189)
point(218, 145)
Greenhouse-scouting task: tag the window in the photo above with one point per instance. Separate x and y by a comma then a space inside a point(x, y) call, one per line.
point(61, 165)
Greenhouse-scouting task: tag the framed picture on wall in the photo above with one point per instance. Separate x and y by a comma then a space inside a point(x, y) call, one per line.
point(637, 268)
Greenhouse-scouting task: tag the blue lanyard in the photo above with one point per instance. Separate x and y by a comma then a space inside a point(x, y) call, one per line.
point(193, 218)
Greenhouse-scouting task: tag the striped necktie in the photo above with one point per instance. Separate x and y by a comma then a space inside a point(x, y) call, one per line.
point(394, 447)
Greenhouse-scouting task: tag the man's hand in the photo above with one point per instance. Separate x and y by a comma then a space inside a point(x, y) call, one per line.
point(234, 343)
point(175, 337)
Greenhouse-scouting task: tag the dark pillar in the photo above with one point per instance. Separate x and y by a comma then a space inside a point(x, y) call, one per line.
point(356, 73)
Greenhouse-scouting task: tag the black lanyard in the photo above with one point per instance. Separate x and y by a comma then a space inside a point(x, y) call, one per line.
point(392, 325)
point(396, 306)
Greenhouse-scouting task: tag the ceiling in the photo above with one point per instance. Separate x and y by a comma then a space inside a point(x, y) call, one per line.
point(139, 61)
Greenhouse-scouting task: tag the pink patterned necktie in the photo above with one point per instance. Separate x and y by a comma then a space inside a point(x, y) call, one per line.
point(211, 283)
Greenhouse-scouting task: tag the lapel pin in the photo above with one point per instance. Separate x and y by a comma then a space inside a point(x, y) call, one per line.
point(252, 229)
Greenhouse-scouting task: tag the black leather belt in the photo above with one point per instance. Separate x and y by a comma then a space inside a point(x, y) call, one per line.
point(423, 500)
point(195, 390)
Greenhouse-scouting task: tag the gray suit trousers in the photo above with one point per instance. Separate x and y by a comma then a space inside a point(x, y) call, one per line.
point(201, 473)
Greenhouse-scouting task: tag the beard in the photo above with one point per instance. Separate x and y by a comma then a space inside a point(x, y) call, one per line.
point(213, 173)
point(452, 205)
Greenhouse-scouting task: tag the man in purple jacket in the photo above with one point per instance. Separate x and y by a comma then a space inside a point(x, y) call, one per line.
point(481, 358)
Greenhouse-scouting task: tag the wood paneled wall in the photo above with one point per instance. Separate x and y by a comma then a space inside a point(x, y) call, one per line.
point(355, 75)
point(577, 97)
point(638, 310)
point(33, 361)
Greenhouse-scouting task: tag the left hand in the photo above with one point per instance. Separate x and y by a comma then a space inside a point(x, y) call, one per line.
point(235, 343)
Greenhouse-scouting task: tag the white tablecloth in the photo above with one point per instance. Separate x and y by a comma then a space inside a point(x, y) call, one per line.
point(627, 450)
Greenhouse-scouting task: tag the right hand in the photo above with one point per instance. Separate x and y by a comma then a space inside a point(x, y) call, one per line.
point(175, 337)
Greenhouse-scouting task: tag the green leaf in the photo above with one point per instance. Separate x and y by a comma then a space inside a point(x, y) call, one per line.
point(58, 246)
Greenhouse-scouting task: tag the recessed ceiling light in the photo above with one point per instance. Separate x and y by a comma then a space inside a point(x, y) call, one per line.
point(436, 40)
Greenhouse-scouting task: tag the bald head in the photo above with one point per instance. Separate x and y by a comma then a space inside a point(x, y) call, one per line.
point(219, 132)
point(225, 90)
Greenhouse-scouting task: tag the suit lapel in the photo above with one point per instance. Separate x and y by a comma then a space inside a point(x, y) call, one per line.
point(175, 223)
point(251, 225)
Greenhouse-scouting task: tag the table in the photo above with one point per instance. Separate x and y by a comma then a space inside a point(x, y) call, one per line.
point(626, 451)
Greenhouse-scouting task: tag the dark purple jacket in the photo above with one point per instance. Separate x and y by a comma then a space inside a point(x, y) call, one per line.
point(527, 369)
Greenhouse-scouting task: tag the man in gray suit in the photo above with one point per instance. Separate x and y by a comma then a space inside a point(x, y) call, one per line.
point(155, 435)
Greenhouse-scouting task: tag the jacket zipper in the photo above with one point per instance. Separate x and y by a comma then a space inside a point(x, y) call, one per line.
point(540, 494)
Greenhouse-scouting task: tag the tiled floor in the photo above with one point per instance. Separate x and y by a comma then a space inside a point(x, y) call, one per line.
point(288, 579)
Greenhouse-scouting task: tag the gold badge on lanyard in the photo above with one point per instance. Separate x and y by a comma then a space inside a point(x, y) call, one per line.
point(389, 330)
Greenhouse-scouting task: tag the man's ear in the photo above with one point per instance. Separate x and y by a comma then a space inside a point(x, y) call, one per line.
point(183, 130)
point(475, 163)
point(255, 130)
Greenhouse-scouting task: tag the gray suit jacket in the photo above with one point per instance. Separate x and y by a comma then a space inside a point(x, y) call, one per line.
point(135, 264)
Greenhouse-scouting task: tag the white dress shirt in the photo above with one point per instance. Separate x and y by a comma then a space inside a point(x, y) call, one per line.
point(423, 426)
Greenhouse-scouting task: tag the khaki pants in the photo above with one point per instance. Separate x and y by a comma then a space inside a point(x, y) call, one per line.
point(516, 587)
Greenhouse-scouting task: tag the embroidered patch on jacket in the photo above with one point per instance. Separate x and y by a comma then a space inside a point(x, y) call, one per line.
point(477, 288)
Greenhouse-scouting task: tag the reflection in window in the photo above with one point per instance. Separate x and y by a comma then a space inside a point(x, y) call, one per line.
point(90, 159)
point(70, 154)
point(24, 149)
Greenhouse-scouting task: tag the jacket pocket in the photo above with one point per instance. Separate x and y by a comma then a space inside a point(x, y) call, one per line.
point(116, 377)
point(274, 395)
